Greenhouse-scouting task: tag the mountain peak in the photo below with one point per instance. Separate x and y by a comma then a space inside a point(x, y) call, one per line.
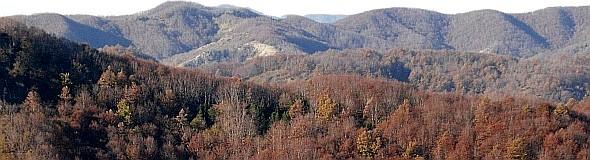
point(484, 12)
point(228, 6)
point(173, 6)
point(182, 7)
point(232, 7)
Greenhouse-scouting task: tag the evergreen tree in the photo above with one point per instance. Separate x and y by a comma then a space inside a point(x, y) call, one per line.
point(198, 123)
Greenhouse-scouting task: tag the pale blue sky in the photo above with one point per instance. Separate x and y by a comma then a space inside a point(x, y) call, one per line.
point(279, 7)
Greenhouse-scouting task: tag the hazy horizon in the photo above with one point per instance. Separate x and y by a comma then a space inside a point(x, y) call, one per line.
point(275, 8)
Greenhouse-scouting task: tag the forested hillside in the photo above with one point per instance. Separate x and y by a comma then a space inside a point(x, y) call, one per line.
point(555, 77)
point(188, 34)
point(187, 81)
point(62, 100)
point(541, 53)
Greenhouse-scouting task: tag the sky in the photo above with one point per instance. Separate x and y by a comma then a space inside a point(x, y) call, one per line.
point(279, 7)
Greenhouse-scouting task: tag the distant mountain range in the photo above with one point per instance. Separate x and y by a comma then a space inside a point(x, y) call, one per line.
point(189, 34)
point(325, 18)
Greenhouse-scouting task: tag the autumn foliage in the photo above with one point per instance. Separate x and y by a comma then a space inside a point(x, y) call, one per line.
point(118, 107)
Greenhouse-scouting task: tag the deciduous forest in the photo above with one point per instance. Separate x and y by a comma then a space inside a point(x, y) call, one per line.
point(63, 100)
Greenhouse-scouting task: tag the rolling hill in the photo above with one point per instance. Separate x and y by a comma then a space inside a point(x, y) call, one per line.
point(188, 34)
point(63, 100)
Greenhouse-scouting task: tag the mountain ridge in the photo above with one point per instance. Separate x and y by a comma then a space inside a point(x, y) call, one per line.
point(224, 33)
point(64, 100)
point(325, 18)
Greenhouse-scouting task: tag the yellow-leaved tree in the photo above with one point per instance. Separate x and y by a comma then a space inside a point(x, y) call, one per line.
point(368, 143)
point(124, 111)
point(517, 149)
point(326, 108)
